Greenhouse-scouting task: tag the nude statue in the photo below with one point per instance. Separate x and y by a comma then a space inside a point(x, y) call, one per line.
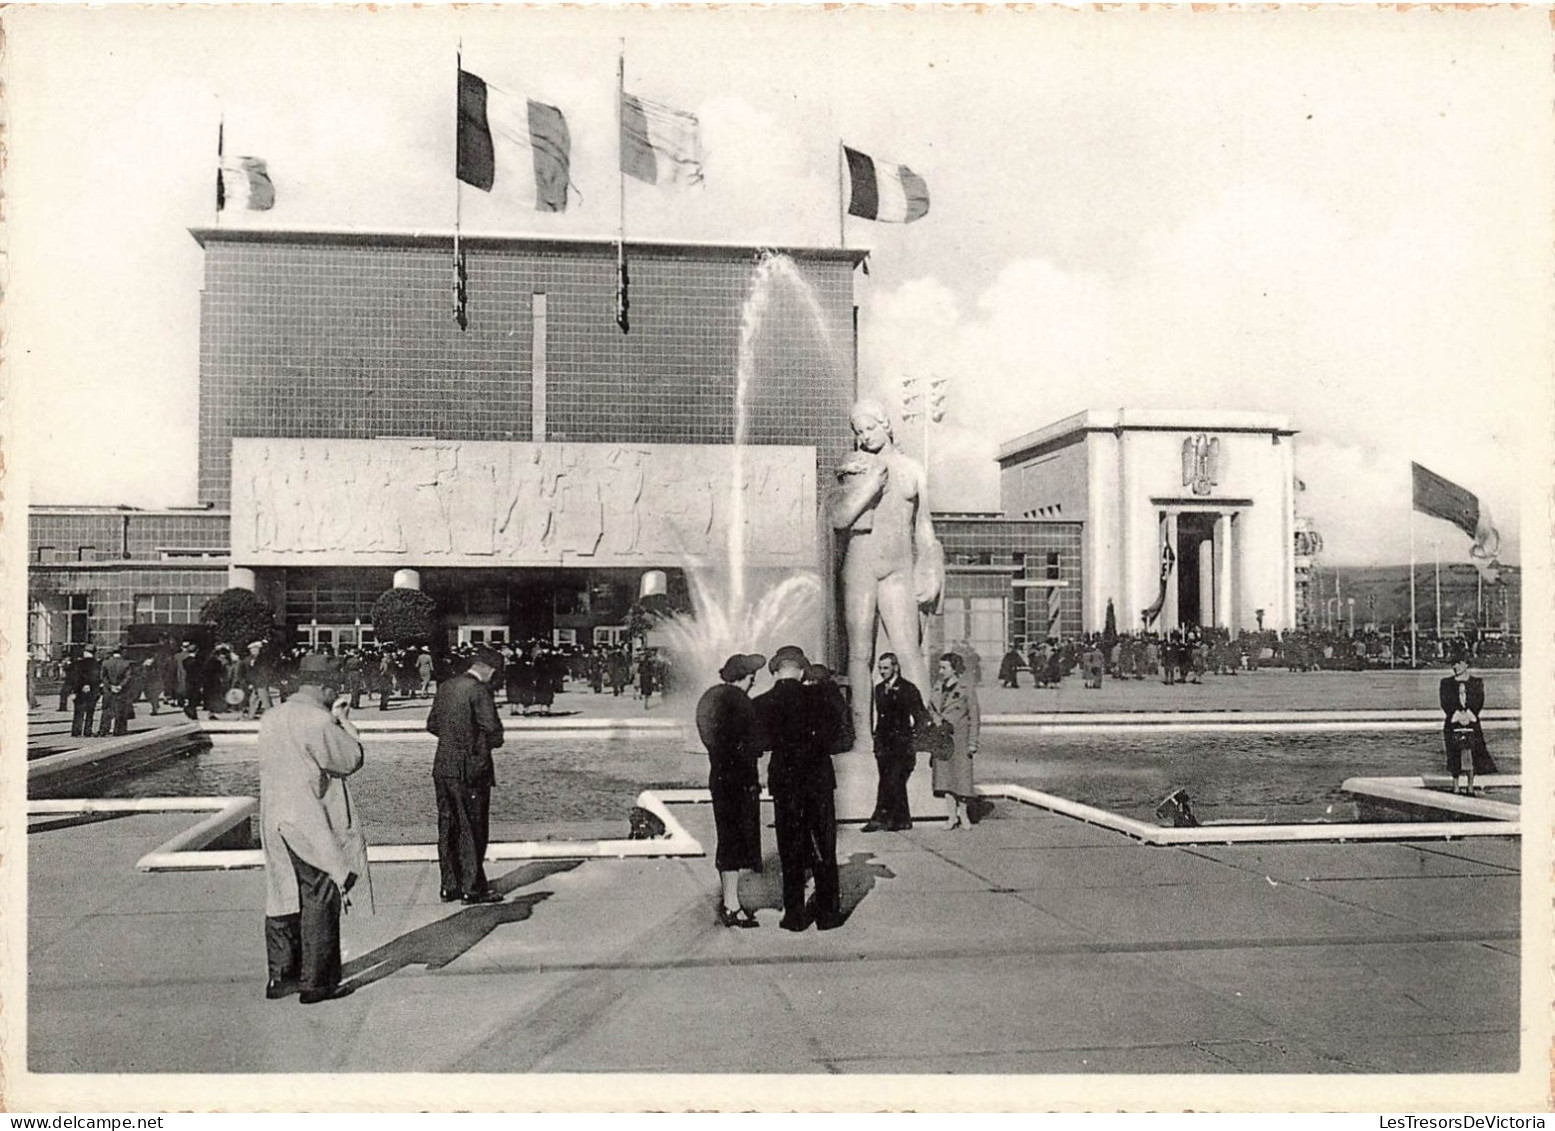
point(892, 564)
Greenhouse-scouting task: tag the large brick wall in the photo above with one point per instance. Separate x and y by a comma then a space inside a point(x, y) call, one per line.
point(58, 535)
point(315, 335)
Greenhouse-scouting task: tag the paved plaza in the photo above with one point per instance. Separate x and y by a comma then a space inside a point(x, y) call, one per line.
point(1031, 943)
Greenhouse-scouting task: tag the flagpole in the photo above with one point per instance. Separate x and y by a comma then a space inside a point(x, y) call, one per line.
point(1413, 630)
point(221, 134)
point(622, 300)
point(1436, 552)
point(459, 297)
point(620, 172)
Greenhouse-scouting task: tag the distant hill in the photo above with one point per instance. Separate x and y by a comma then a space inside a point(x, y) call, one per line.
point(1382, 595)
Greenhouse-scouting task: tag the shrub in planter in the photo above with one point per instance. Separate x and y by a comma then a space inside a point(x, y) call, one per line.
point(404, 616)
point(237, 616)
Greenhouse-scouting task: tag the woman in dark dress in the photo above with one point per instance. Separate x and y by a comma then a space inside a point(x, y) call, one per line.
point(1463, 701)
point(726, 722)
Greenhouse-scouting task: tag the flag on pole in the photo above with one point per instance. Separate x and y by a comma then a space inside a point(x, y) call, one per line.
point(487, 112)
point(1444, 499)
point(244, 182)
point(659, 144)
point(878, 191)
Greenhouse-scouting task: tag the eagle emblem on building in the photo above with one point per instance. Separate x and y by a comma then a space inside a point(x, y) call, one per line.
point(1201, 465)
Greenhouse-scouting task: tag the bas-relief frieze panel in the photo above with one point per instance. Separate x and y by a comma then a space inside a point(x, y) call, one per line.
point(379, 502)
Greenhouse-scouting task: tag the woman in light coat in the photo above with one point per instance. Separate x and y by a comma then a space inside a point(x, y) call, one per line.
point(955, 702)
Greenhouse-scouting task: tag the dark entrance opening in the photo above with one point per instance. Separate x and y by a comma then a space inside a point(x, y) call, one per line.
point(1193, 530)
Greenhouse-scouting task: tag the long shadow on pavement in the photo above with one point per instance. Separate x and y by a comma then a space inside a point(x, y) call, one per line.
point(856, 877)
point(439, 943)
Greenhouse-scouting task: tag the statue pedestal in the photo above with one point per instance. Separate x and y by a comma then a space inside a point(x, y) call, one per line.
point(858, 781)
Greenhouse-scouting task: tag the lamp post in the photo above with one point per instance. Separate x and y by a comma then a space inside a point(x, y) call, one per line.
point(1350, 602)
point(926, 404)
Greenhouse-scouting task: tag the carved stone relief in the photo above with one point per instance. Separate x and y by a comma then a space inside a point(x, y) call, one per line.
point(448, 502)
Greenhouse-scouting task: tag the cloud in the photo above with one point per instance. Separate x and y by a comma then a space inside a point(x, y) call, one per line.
point(1261, 300)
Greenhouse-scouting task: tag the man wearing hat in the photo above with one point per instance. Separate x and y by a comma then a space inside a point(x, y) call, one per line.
point(116, 672)
point(726, 722)
point(85, 682)
point(797, 727)
point(464, 718)
point(314, 850)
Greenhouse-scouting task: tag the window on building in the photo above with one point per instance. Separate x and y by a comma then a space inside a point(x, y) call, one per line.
point(86, 553)
point(1052, 565)
point(168, 608)
point(47, 554)
point(570, 602)
point(78, 618)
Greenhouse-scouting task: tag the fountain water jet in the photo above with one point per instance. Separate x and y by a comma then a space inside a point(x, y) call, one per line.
point(725, 617)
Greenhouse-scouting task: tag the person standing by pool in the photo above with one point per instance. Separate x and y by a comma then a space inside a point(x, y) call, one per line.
point(464, 719)
point(726, 723)
point(796, 727)
point(116, 694)
point(1462, 698)
point(85, 684)
point(899, 714)
point(315, 851)
point(956, 703)
point(647, 676)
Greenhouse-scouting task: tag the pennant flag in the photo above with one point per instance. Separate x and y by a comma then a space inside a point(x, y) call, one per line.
point(485, 112)
point(1444, 499)
point(623, 299)
point(245, 183)
point(461, 290)
point(891, 193)
point(659, 145)
point(1168, 560)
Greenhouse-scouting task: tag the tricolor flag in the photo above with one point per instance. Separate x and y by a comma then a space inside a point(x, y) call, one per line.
point(892, 193)
point(486, 111)
point(244, 182)
point(659, 144)
point(1444, 499)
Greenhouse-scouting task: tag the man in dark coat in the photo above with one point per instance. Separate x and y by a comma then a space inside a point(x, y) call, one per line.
point(85, 682)
point(899, 715)
point(116, 694)
point(1462, 698)
point(798, 729)
point(464, 718)
point(1009, 668)
point(726, 723)
point(188, 685)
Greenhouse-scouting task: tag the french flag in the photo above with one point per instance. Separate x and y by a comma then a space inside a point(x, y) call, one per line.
point(893, 194)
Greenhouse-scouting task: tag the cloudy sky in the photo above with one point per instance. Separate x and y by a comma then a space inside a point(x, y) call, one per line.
point(1340, 215)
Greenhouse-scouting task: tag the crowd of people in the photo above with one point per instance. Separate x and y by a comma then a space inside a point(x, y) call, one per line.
point(1188, 654)
point(228, 679)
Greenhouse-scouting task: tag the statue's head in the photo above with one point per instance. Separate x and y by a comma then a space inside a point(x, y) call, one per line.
point(871, 425)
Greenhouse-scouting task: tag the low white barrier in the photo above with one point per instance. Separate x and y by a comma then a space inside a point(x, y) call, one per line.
point(1249, 834)
point(186, 852)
